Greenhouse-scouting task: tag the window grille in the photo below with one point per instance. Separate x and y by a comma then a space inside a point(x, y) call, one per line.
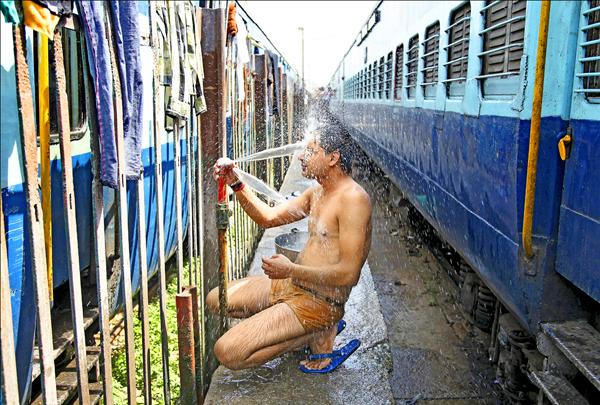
point(375, 78)
point(388, 76)
point(398, 72)
point(431, 49)
point(369, 81)
point(73, 50)
point(412, 56)
point(381, 78)
point(590, 76)
point(503, 35)
point(458, 49)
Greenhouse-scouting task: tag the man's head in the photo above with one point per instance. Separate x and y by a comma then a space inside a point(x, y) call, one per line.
point(329, 148)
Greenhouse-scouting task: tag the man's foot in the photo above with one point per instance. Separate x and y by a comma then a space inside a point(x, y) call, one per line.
point(315, 364)
point(335, 358)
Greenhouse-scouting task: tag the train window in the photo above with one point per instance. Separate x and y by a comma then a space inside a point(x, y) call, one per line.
point(388, 76)
point(458, 50)
point(503, 37)
point(381, 78)
point(412, 56)
point(374, 80)
point(72, 42)
point(398, 72)
point(431, 49)
point(590, 77)
point(369, 80)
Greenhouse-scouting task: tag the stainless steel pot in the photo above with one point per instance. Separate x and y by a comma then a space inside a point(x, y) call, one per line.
point(291, 244)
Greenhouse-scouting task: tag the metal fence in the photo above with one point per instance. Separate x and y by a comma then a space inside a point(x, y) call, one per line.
point(174, 198)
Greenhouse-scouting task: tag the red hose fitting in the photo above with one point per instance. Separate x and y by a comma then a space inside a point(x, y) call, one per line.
point(221, 191)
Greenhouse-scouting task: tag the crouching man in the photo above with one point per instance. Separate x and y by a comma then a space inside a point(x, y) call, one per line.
point(302, 303)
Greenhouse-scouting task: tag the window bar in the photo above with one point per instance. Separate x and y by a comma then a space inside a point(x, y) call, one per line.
point(588, 74)
point(426, 69)
point(509, 73)
point(454, 24)
point(592, 42)
point(502, 48)
point(456, 79)
point(429, 54)
point(590, 26)
point(591, 10)
point(503, 23)
point(589, 59)
point(483, 9)
point(465, 39)
point(430, 38)
point(450, 62)
point(596, 91)
point(428, 83)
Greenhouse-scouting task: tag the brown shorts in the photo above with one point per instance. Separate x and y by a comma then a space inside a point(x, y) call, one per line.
point(313, 312)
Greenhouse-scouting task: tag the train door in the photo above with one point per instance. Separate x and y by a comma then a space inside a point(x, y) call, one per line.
point(578, 254)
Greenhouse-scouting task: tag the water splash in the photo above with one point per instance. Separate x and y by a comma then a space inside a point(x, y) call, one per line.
point(272, 153)
point(258, 185)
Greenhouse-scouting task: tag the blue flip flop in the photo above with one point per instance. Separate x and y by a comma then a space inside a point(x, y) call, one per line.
point(341, 326)
point(337, 357)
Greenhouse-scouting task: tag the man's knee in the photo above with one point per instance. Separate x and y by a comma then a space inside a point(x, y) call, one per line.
point(229, 353)
point(212, 300)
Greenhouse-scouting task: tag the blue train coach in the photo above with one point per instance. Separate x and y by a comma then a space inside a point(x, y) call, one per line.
point(442, 96)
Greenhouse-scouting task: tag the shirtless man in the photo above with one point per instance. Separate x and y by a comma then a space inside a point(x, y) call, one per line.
point(299, 304)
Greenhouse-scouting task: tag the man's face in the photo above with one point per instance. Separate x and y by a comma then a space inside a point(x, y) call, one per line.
point(314, 159)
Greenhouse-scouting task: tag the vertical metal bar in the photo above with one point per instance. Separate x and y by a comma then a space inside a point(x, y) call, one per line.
point(185, 339)
point(123, 229)
point(101, 275)
point(190, 216)
point(10, 385)
point(178, 197)
point(193, 290)
point(70, 218)
point(157, 127)
point(194, 192)
point(44, 130)
point(201, 253)
point(213, 137)
point(141, 208)
point(34, 216)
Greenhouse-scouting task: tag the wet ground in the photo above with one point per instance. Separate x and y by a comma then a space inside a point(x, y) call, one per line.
point(438, 358)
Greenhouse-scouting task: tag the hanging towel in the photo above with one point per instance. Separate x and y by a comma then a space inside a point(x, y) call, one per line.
point(127, 38)
point(39, 18)
point(9, 11)
point(93, 19)
point(232, 27)
point(242, 56)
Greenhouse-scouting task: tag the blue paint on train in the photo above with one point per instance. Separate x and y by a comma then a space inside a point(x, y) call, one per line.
point(19, 262)
point(578, 256)
point(467, 176)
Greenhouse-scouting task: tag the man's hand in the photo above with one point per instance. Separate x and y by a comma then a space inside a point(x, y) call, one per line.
point(277, 266)
point(224, 169)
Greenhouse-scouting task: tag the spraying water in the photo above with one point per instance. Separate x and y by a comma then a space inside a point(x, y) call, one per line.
point(258, 185)
point(271, 153)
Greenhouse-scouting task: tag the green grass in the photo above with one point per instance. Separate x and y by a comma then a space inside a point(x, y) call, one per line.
point(119, 362)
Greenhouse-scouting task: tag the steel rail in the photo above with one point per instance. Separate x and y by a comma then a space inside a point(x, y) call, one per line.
point(70, 219)
point(34, 216)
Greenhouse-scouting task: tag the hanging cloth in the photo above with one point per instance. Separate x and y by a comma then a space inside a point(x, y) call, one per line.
point(9, 11)
point(232, 27)
point(39, 18)
point(242, 56)
point(127, 39)
point(93, 18)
